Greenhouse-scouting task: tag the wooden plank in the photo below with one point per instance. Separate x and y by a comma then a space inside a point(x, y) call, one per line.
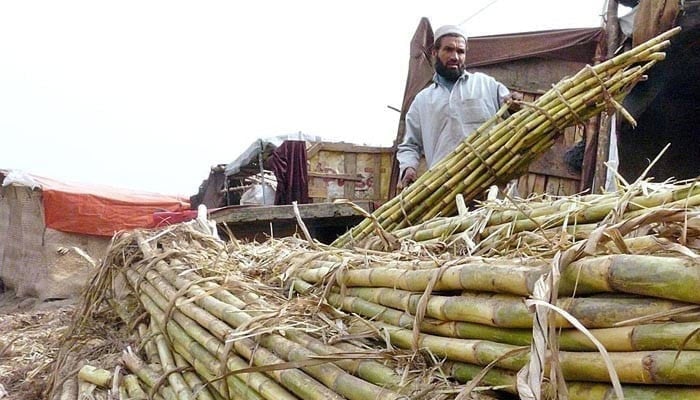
point(350, 161)
point(286, 212)
point(353, 148)
point(530, 184)
point(313, 150)
point(523, 189)
point(552, 162)
point(345, 177)
point(552, 186)
point(569, 187)
point(540, 183)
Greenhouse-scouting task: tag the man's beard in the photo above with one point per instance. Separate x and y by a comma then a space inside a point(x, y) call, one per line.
point(448, 73)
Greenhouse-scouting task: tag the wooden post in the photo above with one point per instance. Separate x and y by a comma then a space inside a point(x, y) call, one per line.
point(598, 185)
point(612, 32)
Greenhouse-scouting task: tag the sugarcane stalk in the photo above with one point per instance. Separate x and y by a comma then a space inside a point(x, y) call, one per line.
point(202, 344)
point(331, 375)
point(506, 381)
point(371, 371)
point(593, 391)
point(514, 279)
point(146, 374)
point(592, 208)
point(96, 376)
point(148, 344)
point(676, 278)
point(639, 367)
point(133, 388)
point(177, 382)
point(509, 311)
point(653, 367)
point(293, 379)
point(196, 385)
point(673, 278)
point(668, 336)
point(443, 198)
point(231, 386)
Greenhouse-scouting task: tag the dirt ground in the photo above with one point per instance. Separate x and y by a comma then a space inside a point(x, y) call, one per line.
point(29, 336)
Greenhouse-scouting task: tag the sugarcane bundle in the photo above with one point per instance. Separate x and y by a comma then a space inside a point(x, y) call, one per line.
point(645, 345)
point(211, 334)
point(290, 319)
point(503, 148)
point(502, 226)
point(212, 321)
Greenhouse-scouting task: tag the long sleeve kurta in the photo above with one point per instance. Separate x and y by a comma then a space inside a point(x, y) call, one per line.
point(440, 118)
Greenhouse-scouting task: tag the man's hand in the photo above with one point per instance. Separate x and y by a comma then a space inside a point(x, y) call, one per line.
point(514, 100)
point(409, 176)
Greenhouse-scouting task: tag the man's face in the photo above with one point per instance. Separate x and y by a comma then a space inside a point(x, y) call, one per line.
point(449, 58)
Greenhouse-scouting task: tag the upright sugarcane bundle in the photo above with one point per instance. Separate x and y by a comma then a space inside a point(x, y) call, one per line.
point(501, 149)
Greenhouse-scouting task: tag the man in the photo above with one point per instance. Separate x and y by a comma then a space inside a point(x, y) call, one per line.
point(450, 109)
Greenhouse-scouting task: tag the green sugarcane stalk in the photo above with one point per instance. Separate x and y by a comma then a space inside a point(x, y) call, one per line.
point(669, 336)
point(505, 381)
point(673, 278)
point(443, 198)
point(97, 376)
point(371, 371)
point(676, 278)
point(196, 385)
point(592, 391)
point(197, 356)
point(148, 344)
point(202, 344)
point(177, 382)
point(231, 386)
point(146, 374)
point(133, 387)
point(509, 311)
point(639, 367)
point(331, 375)
point(653, 367)
point(475, 276)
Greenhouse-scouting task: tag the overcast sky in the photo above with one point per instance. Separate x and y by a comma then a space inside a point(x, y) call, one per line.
point(148, 95)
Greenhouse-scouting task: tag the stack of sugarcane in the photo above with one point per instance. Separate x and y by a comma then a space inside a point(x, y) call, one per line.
point(643, 309)
point(210, 325)
point(530, 226)
point(501, 149)
point(206, 334)
point(213, 321)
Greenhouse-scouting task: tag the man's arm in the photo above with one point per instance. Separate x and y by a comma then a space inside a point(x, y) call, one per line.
point(408, 153)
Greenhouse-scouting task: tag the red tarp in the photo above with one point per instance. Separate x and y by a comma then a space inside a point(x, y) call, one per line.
point(560, 44)
point(101, 210)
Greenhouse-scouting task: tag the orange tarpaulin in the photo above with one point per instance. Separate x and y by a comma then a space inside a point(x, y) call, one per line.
point(101, 210)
